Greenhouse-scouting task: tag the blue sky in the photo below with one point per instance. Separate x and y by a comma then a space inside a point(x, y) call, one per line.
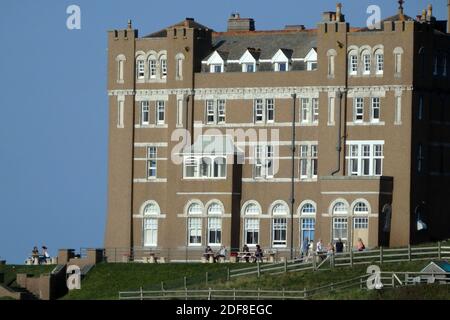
point(53, 102)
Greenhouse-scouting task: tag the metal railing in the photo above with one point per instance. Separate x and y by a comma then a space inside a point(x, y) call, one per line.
point(351, 258)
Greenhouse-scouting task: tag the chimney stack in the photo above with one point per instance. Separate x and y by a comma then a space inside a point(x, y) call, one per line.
point(236, 23)
point(429, 12)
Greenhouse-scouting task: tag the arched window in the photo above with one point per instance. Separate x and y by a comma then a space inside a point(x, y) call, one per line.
point(120, 67)
point(252, 209)
point(195, 224)
point(360, 222)
point(379, 61)
point(151, 211)
point(215, 224)
point(353, 62)
point(163, 66)
point(340, 208)
point(152, 67)
point(308, 209)
point(279, 225)
point(307, 222)
point(340, 221)
point(360, 208)
point(179, 59)
point(366, 59)
point(251, 224)
point(140, 68)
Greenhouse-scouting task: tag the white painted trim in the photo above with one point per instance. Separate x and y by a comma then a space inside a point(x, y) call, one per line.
point(355, 192)
point(141, 216)
point(207, 193)
point(150, 144)
point(306, 215)
point(151, 126)
point(145, 159)
point(145, 180)
point(379, 123)
point(222, 216)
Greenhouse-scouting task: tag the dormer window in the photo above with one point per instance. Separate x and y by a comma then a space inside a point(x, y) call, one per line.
point(216, 68)
point(248, 67)
point(281, 60)
point(248, 60)
point(311, 60)
point(216, 62)
point(281, 66)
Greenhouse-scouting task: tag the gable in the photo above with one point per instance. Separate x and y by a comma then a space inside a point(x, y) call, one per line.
point(215, 58)
point(280, 57)
point(247, 57)
point(312, 55)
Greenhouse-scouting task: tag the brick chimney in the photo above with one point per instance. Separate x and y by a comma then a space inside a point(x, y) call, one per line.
point(236, 23)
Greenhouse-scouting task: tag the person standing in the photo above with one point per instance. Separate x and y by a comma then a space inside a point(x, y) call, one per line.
point(245, 249)
point(305, 248)
point(339, 246)
point(258, 253)
point(360, 246)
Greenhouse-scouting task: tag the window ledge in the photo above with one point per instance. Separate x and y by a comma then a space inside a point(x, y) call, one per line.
point(381, 123)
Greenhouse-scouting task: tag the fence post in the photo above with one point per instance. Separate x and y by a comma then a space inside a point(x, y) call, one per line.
point(142, 294)
point(409, 252)
point(209, 295)
point(234, 293)
point(185, 282)
point(360, 283)
point(162, 285)
point(186, 293)
point(259, 270)
point(439, 250)
point(351, 257)
point(285, 266)
point(381, 254)
point(206, 277)
point(228, 274)
point(305, 294)
point(393, 280)
point(259, 293)
point(284, 295)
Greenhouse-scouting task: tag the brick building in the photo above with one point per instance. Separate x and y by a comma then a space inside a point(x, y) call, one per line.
point(271, 137)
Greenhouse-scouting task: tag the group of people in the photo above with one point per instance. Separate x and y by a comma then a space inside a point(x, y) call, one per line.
point(308, 247)
point(258, 256)
point(222, 253)
point(42, 257)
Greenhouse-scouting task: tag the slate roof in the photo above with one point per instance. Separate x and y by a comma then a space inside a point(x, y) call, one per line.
point(188, 23)
point(294, 44)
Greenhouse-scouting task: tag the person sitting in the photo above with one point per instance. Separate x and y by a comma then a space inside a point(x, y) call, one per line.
point(330, 249)
point(320, 249)
point(208, 252)
point(360, 245)
point(45, 257)
point(35, 255)
point(245, 249)
point(222, 253)
point(258, 253)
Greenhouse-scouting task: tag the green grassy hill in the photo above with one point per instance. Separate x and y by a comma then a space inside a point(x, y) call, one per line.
point(106, 280)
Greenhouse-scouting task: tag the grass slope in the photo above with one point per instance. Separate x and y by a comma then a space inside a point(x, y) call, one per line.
point(106, 280)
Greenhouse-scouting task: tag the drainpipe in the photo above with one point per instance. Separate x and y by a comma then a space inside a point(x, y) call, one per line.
point(294, 99)
point(338, 146)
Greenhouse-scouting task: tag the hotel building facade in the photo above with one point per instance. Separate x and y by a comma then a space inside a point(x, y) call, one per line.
point(274, 137)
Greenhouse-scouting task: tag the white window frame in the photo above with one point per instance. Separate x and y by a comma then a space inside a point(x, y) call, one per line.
point(160, 110)
point(315, 110)
point(263, 161)
point(163, 66)
point(246, 65)
point(252, 225)
point(358, 110)
point(145, 113)
point(150, 226)
point(369, 151)
point(197, 162)
point(152, 162)
point(210, 112)
point(375, 106)
point(308, 160)
point(353, 64)
point(152, 68)
point(270, 110)
point(212, 68)
point(258, 111)
point(342, 223)
point(279, 224)
point(367, 59)
point(140, 68)
point(379, 59)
